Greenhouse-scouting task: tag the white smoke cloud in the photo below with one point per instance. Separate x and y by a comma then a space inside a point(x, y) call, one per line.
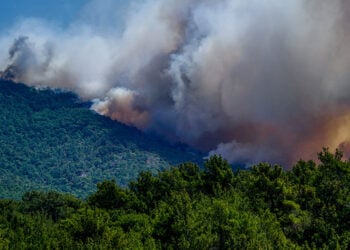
point(120, 105)
point(253, 80)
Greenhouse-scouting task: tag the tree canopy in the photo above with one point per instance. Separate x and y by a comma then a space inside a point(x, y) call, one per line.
point(188, 207)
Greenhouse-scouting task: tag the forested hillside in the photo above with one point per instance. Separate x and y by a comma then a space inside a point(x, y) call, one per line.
point(49, 140)
point(54, 151)
point(187, 207)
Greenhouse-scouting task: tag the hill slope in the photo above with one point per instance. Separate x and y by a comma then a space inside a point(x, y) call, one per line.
point(50, 140)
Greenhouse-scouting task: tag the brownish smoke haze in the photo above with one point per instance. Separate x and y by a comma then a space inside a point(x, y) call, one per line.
point(249, 79)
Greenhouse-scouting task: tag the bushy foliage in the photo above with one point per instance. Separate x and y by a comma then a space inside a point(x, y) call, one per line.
point(51, 140)
point(187, 207)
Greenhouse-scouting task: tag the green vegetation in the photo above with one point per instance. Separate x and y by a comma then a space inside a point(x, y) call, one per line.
point(52, 141)
point(187, 207)
point(49, 140)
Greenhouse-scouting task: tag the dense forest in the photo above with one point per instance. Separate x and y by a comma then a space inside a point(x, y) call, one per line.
point(188, 207)
point(51, 140)
point(113, 187)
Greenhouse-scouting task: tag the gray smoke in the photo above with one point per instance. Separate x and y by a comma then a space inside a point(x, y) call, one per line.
point(253, 80)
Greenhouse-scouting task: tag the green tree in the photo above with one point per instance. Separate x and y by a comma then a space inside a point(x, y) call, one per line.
point(218, 174)
point(109, 196)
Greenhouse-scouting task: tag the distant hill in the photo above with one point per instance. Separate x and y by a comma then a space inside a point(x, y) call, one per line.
point(49, 140)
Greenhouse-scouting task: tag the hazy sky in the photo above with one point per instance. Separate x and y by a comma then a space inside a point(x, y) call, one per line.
point(60, 11)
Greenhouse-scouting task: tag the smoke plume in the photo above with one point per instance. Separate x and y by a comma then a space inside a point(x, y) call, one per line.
point(253, 80)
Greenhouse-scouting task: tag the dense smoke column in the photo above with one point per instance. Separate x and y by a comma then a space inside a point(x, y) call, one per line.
point(251, 80)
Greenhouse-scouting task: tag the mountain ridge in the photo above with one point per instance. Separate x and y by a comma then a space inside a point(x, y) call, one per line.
point(51, 140)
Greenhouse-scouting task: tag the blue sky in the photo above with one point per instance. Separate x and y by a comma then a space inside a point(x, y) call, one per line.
point(60, 11)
